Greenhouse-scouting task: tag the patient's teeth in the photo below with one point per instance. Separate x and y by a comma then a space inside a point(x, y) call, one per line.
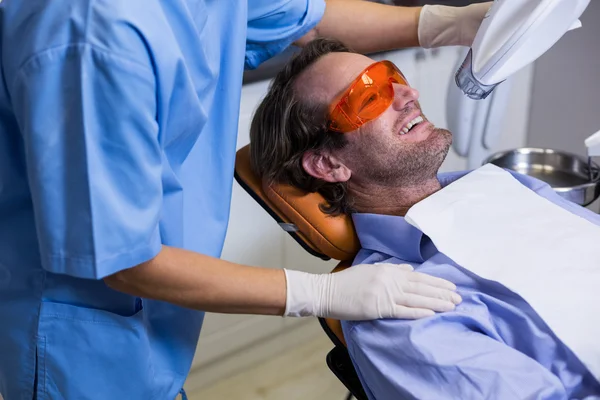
point(412, 123)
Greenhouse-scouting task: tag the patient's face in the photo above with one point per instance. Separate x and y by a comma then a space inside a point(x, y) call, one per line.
point(377, 151)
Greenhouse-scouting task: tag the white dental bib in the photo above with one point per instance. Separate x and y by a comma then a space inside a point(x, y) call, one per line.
point(492, 225)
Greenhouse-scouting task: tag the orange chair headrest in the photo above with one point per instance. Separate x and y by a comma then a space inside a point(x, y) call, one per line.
point(299, 214)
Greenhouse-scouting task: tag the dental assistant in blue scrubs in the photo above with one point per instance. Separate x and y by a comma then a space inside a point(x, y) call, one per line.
point(118, 124)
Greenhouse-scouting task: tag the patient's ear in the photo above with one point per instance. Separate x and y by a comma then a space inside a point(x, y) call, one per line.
point(325, 166)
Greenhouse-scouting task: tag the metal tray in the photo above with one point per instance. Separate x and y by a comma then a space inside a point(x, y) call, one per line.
point(569, 175)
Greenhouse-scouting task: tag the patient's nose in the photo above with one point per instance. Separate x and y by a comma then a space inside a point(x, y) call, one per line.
point(403, 95)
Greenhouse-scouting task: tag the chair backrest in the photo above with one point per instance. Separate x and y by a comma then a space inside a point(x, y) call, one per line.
point(323, 236)
point(298, 213)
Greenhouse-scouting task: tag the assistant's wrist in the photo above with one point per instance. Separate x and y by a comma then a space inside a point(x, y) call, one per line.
point(304, 293)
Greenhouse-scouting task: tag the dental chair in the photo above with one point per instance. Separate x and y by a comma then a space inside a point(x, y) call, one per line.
point(322, 236)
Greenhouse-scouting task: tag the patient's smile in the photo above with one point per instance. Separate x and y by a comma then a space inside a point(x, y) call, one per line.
point(412, 123)
point(416, 130)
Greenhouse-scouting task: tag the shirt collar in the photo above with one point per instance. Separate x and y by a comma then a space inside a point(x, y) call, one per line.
point(393, 235)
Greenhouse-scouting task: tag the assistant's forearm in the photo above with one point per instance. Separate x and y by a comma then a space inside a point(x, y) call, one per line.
point(204, 283)
point(368, 27)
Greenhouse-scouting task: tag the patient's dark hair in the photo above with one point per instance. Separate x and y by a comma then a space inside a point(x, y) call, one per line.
point(284, 127)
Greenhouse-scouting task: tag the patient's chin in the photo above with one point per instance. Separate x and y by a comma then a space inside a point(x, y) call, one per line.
point(415, 163)
point(447, 138)
point(435, 152)
point(439, 143)
point(443, 134)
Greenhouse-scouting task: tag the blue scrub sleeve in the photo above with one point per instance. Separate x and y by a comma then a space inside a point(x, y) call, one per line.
point(444, 358)
point(273, 25)
point(88, 120)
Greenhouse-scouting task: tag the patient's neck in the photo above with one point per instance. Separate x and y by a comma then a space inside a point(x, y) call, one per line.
point(390, 200)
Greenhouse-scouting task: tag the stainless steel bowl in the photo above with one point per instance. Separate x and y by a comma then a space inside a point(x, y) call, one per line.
point(568, 174)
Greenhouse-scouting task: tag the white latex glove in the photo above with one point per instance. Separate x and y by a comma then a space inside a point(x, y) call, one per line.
point(367, 292)
point(450, 26)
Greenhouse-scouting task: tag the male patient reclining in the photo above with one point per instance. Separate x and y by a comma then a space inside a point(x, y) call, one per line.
point(372, 154)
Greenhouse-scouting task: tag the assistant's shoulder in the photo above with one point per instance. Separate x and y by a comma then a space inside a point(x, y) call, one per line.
point(265, 8)
point(30, 28)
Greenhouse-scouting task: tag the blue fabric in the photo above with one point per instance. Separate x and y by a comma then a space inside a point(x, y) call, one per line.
point(118, 125)
point(492, 346)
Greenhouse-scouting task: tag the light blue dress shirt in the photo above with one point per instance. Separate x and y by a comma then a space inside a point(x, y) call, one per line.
point(118, 125)
point(492, 346)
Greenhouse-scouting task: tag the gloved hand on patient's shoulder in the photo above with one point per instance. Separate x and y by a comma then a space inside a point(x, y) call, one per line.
point(366, 292)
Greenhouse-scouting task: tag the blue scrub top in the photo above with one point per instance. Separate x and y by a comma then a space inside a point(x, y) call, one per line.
point(492, 346)
point(118, 125)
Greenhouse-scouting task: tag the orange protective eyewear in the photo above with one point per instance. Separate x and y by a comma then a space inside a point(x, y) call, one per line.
point(367, 97)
